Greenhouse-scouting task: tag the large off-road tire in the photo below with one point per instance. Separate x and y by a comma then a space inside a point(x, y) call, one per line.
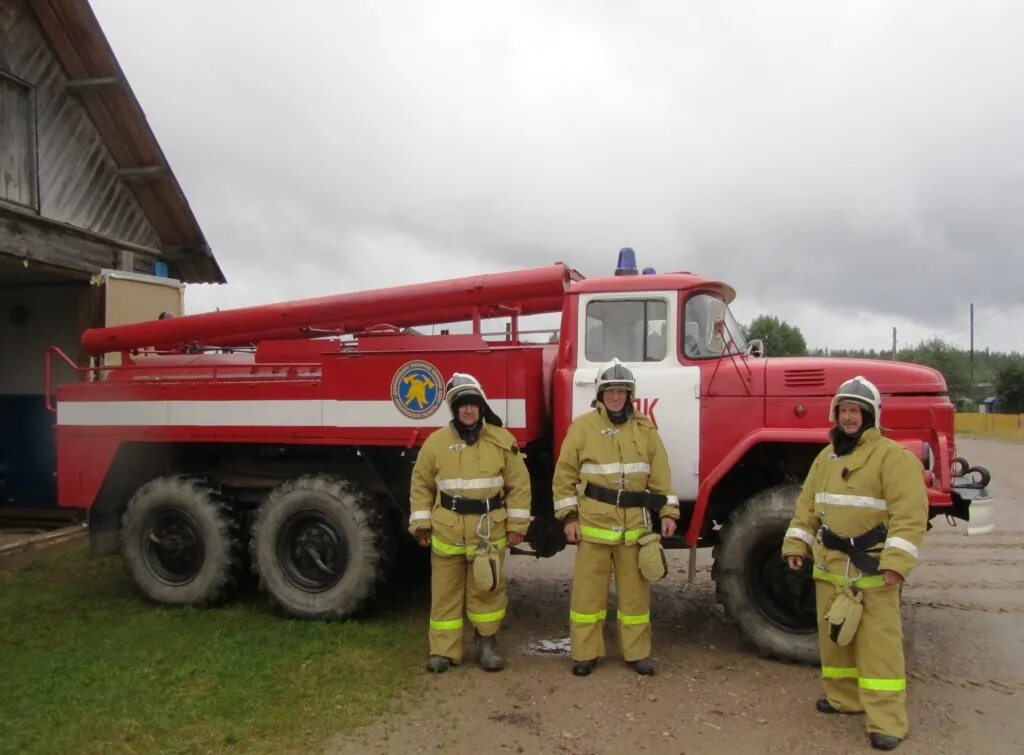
point(772, 606)
point(320, 547)
point(180, 542)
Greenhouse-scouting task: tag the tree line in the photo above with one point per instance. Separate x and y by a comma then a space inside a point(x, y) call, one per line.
point(970, 380)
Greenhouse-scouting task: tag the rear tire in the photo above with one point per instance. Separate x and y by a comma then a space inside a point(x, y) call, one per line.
point(320, 547)
point(179, 542)
point(772, 606)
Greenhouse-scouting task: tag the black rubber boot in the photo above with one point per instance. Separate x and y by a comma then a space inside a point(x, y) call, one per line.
point(881, 741)
point(487, 653)
point(824, 706)
point(438, 664)
point(583, 668)
point(644, 667)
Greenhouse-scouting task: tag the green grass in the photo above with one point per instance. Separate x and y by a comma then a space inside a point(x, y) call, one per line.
point(87, 666)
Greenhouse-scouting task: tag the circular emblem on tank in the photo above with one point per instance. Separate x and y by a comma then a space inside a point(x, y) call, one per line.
point(417, 389)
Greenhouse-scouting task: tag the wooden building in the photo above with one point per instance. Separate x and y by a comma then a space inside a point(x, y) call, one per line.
point(90, 213)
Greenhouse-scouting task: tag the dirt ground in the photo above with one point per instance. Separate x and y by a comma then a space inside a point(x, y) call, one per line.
point(963, 621)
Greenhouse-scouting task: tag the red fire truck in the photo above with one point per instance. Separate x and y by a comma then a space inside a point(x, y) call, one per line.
point(282, 437)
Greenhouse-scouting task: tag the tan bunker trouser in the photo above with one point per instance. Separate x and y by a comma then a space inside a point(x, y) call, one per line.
point(868, 674)
point(588, 605)
point(452, 592)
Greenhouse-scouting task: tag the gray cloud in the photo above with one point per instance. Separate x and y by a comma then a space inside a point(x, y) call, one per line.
point(853, 164)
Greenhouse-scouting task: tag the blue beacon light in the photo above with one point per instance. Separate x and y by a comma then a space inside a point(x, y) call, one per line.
point(627, 262)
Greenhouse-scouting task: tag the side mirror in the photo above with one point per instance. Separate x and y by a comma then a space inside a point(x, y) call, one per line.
point(755, 348)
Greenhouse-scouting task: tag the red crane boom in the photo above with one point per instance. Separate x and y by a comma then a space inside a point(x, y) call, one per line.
point(530, 291)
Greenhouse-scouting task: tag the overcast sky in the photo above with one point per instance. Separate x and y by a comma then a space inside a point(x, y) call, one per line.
point(846, 166)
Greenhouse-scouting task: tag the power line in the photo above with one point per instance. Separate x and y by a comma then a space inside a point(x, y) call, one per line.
point(987, 317)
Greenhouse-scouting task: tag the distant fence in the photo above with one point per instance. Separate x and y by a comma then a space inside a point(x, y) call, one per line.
point(1009, 426)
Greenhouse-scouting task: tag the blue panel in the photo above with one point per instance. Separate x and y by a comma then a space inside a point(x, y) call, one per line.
point(28, 456)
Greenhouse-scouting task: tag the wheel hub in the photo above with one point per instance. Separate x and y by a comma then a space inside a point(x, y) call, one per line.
point(173, 546)
point(312, 551)
point(784, 596)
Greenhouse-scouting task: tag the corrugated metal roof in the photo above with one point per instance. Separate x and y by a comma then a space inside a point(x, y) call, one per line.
point(104, 175)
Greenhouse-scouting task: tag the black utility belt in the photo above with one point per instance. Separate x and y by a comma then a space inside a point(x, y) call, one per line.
point(856, 547)
point(627, 499)
point(462, 505)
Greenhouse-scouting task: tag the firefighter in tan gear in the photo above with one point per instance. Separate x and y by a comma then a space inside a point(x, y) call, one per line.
point(861, 516)
point(612, 473)
point(469, 500)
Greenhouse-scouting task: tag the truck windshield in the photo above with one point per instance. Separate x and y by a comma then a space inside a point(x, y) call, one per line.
point(710, 330)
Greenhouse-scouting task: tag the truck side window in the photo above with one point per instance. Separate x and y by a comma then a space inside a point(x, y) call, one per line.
point(632, 330)
point(709, 329)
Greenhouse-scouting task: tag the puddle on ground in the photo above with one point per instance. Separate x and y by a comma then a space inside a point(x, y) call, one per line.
point(549, 647)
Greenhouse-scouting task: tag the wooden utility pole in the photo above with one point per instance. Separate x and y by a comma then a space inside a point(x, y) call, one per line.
point(972, 349)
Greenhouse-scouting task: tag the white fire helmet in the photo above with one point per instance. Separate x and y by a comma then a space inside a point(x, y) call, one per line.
point(615, 373)
point(462, 385)
point(862, 391)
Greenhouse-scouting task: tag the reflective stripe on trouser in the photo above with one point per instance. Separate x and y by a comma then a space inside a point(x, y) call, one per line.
point(868, 674)
point(453, 592)
point(589, 602)
point(610, 537)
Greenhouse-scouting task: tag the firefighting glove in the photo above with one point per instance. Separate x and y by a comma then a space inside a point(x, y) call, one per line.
point(844, 616)
point(651, 557)
point(486, 566)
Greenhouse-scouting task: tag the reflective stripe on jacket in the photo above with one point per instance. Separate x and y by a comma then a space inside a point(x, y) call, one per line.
point(629, 456)
point(879, 482)
point(493, 465)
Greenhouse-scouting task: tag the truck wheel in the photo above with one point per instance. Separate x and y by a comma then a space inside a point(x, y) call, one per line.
point(320, 547)
point(772, 606)
point(179, 542)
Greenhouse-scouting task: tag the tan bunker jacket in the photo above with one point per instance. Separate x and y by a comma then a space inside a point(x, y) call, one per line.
point(879, 482)
point(629, 456)
point(491, 466)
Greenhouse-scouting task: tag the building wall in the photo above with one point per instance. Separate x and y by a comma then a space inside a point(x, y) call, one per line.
point(32, 318)
point(77, 178)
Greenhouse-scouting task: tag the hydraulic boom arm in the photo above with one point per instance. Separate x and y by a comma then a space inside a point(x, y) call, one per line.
point(528, 291)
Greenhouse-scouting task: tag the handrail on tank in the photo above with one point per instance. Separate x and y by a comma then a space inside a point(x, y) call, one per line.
point(92, 370)
point(51, 406)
